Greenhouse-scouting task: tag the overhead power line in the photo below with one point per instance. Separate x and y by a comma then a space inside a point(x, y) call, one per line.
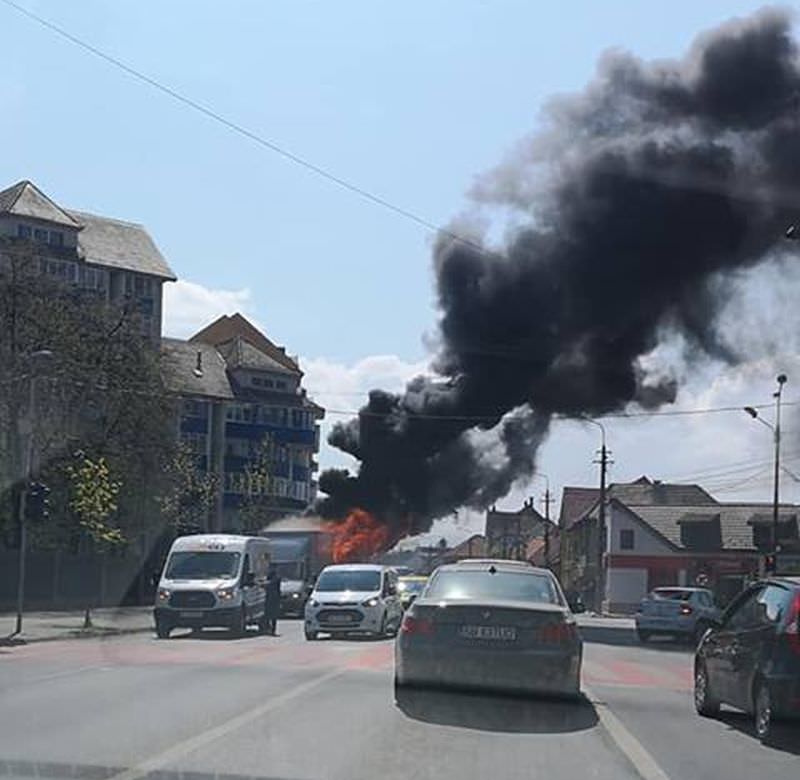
point(241, 130)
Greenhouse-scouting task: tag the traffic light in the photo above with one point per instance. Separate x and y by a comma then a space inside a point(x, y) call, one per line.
point(770, 564)
point(37, 502)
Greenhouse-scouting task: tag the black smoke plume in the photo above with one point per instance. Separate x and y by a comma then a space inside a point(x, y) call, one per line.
point(643, 198)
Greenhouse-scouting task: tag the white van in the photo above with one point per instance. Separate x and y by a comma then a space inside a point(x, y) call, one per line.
point(354, 598)
point(213, 580)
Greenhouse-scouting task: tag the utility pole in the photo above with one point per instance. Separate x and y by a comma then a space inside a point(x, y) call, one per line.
point(604, 462)
point(547, 501)
point(40, 356)
point(776, 487)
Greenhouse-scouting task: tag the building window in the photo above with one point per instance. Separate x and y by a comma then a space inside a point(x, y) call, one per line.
point(40, 235)
point(23, 231)
point(56, 238)
point(280, 384)
point(258, 381)
point(193, 408)
point(626, 539)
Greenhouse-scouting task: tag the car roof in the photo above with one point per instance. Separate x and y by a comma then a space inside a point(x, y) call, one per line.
point(681, 587)
point(501, 564)
point(227, 541)
point(785, 580)
point(356, 567)
point(407, 577)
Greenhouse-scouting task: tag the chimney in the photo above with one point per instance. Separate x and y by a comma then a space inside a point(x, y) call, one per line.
point(198, 369)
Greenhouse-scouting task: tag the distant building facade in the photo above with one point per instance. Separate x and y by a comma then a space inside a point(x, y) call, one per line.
point(106, 258)
point(660, 534)
point(508, 534)
point(241, 393)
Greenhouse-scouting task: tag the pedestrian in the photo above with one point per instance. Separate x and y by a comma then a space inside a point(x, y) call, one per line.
point(272, 607)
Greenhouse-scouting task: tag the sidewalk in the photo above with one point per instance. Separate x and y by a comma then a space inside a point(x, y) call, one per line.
point(48, 626)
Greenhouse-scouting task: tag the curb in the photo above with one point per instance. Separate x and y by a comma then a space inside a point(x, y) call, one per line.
point(78, 633)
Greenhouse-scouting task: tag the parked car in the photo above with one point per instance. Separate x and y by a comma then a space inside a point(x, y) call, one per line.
point(490, 624)
point(750, 658)
point(676, 611)
point(213, 580)
point(410, 587)
point(354, 598)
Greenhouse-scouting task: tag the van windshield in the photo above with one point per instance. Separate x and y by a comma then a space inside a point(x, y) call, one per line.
point(202, 565)
point(354, 579)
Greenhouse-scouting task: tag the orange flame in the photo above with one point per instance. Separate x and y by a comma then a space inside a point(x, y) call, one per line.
point(358, 537)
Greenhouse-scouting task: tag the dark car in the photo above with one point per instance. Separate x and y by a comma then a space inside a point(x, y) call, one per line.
point(498, 625)
point(750, 658)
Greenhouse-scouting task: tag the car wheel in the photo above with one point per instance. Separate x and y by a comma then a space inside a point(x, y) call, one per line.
point(311, 635)
point(643, 636)
point(162, 629)
point(704, 701)
point(762, 710)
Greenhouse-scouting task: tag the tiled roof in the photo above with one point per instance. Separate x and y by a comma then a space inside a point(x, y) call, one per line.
point(117, 244)
point(575, 502)
point(643, 492)
point(475, 545)
point(240, 353)
point(735, 521)
point(226, 328)
point(179, 368)
point(25, 199)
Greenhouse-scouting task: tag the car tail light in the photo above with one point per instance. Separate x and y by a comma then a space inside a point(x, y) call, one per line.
point(557, 633)
point(793, 625)
point(686, 609)
point(419, 626)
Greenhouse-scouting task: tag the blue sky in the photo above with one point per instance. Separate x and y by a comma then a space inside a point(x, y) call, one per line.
point(408, 100)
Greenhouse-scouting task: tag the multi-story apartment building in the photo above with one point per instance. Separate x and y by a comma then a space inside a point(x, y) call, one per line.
point(117, 261)
point(242, 395)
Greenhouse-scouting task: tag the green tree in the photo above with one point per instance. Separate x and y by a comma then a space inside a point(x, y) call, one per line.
point(102, 393)
point(259, 494)
point(190, 494)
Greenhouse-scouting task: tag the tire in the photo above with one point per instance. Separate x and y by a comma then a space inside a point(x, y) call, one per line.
point(239, 626)
point(705, 702)
point(762, 712)
point(162, 629)
point(311, 636)
point(642, 635)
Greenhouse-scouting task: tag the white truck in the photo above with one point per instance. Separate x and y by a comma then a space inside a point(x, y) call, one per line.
point(300, 550)
point(213, 580)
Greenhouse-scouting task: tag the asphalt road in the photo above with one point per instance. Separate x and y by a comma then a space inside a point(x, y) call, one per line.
point(280, 707)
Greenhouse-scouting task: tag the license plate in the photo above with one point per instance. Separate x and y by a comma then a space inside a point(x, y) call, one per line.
point(194, 614)
point(339, 619)
point(500, 633)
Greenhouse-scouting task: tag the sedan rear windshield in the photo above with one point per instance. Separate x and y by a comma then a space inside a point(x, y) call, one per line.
point(673, 594)
point(202, 565)
point(482, 584)
point(355, 579)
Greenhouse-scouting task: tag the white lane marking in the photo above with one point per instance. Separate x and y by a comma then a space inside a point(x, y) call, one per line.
point(181, 749)
point(633, 750)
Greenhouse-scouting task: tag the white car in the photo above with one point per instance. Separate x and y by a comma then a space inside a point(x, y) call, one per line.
point(354, 598)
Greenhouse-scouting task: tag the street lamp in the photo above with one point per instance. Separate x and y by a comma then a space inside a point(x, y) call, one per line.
point(35, 359)
point(776, 435)
point(601, 521)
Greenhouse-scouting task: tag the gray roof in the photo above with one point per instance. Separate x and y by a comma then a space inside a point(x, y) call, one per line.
point(240, 353)
point(25, 199)
point(179, 369)
point(735, 521)
point(646, 492)
point(117, 244)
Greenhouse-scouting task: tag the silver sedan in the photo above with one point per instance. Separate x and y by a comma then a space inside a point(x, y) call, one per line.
point(491, 624)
